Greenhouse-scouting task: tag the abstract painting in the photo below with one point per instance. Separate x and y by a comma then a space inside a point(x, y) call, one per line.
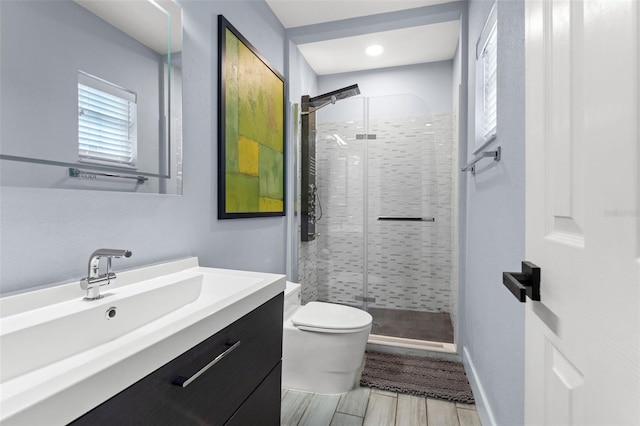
point(251, 136)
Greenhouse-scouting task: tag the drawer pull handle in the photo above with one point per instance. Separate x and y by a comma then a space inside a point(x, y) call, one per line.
point(184, 381)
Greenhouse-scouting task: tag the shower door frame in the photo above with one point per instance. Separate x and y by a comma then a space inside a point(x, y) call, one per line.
point(365, 209)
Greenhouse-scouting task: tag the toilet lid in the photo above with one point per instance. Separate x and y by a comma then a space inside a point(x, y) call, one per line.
point(330, 317)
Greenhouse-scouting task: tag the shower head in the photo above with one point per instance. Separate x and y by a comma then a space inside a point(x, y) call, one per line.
point(332, 97)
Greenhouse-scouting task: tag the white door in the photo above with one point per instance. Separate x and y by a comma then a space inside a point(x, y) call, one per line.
point(583, 224)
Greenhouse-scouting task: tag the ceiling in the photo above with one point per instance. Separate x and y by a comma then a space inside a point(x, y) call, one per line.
point(402, 46)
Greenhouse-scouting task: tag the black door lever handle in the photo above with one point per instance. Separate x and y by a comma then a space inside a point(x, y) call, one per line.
point(525, 283)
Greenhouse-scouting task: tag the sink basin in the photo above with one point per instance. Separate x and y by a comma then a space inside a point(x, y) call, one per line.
point(40, 337)
point(60, 355)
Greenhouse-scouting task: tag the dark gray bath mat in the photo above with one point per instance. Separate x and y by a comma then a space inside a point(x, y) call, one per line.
point(417, 376)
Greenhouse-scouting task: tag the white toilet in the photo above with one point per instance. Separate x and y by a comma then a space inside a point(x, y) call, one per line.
point(323, 344)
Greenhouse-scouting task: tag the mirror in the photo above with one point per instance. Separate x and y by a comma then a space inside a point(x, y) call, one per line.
point(91, 95)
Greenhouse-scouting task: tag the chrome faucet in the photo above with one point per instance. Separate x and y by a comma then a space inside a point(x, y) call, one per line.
point(94, 280)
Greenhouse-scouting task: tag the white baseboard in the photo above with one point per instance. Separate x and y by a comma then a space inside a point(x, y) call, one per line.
point(482, 403)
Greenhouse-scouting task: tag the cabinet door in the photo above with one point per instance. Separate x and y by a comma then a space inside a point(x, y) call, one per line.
point(263, 406)
point(212, 397)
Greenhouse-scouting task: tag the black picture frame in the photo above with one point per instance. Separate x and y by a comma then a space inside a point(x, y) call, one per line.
point(251, 130)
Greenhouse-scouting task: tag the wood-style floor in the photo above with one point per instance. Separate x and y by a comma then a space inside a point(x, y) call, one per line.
point(372, 407)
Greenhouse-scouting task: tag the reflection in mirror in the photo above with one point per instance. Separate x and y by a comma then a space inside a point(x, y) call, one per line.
point(91, 95)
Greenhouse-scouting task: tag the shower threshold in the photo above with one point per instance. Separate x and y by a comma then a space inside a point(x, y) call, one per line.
point(403, 342)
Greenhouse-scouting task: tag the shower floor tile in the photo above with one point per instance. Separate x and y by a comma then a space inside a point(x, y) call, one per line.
point(432, 326)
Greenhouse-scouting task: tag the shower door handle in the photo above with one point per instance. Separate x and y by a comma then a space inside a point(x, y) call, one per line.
point(407, 218)
point(525, 283)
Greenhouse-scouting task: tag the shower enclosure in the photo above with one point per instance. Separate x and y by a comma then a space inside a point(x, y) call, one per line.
point(385, 214)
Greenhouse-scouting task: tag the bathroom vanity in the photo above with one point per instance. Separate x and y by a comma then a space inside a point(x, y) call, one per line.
point(242, 388)
point(184, 345)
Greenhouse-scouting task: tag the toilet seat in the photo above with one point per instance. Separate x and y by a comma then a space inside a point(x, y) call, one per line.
point(324, 317)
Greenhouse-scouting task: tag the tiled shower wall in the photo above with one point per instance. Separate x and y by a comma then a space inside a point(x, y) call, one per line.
point(308, 269)
point(410, 172)
point(455, 184)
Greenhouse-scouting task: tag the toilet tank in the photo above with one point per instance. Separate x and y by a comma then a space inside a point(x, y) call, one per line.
point(292, 299)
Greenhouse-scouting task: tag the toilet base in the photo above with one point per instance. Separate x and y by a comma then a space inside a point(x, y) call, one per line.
point(325, 363)
point(321, 382)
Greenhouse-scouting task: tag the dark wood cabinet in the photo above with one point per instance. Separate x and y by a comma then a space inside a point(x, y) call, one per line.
point(242, 385)
point(263, 406)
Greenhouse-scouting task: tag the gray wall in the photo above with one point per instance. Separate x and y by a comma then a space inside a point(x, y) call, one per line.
point(48, 234)
point(456, 72)
point(430, 82)
point(303, 80)
point(301, 255)
point(492, 320)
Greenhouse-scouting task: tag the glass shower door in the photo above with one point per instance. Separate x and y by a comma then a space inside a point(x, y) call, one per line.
point(407, 286)
point(340, 177)
point(384, 177)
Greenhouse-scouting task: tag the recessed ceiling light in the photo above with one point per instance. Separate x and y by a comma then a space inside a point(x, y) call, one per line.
point(374, 50)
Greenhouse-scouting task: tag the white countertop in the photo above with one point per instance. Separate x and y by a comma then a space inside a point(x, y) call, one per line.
point(63, 390)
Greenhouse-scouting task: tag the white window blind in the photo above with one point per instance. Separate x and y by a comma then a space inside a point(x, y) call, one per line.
point(486, 78)
point(106, 123)
point(489, 99)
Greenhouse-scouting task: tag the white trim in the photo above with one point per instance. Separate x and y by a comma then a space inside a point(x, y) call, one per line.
point(403, 342)
point(486, 30)
point(484, 144)
point(106, 86)
point(479, 394)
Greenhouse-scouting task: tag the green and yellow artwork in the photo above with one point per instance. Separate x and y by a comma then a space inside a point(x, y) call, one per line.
point(251, 121)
